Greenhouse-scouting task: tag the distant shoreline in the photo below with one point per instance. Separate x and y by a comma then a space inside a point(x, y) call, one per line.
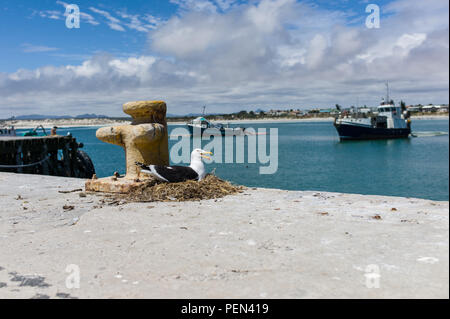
point(67, 123)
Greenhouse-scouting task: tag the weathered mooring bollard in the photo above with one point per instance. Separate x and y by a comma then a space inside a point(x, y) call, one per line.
point(145, 140)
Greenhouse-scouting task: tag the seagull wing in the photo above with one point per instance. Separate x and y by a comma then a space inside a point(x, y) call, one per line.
point(175, 174)
point(170, 174)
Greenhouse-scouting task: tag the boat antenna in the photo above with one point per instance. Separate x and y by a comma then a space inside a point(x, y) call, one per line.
point(203, 112)
point(387, 92)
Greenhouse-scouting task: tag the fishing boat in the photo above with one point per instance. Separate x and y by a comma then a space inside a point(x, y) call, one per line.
point(200, 125)
point(35, 132)
point(389, 121)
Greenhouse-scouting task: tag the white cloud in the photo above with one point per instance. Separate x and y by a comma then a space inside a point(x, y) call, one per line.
point(86, 70)
point(290, 55)
point(188, 36)
point(196, 5)
point(140, 23)
point(400, 47)
point(225, 4)
point(88, 18)
point(29, 48)
point(133, 66)
point(268, 15)
point(346, 42)
point(408, 42)
point(112, 22)
point(51, 14)
point(316, 51)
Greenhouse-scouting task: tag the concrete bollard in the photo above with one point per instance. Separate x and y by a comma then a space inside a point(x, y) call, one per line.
point(145, 140)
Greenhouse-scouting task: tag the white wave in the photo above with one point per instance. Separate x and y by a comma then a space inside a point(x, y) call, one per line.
point(428, 134)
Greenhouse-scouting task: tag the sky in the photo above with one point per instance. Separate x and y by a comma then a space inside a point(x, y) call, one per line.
point(229, 55)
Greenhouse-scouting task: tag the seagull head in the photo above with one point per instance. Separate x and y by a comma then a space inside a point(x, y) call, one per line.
point(198, 154)
point(197, 163)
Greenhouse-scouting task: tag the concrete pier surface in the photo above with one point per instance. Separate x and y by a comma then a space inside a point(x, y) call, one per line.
point(262, 243)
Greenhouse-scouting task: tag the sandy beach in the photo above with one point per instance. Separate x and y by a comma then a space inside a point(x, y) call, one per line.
point(64, 123)
point(263, 243)
point(49, 123)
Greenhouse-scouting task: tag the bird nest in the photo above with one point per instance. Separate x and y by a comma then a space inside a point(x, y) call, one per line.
point(209, 188)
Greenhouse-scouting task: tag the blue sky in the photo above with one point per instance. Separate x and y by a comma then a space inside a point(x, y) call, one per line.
point(24, 28)
point(229, 55)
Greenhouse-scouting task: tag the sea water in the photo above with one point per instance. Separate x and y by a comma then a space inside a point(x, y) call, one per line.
point(311, 157)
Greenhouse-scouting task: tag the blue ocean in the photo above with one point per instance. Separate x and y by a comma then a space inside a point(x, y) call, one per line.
point(311, 157)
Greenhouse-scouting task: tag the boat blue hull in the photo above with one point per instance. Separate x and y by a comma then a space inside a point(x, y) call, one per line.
point(354, 132)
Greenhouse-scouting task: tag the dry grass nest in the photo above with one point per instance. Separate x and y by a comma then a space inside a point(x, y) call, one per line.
point(209, 188)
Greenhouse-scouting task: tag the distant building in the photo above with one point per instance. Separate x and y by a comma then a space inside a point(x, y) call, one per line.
point(334, 111)
point(429, 109)
point(276, 113)
point(414, 108)
point(442, 108)
point(327, 111)
point(295, 113)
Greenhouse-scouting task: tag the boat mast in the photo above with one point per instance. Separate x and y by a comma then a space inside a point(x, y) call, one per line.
point(203, 112)
point(387, 93)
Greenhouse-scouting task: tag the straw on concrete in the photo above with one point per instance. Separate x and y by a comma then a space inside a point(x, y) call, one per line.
point(210, 187)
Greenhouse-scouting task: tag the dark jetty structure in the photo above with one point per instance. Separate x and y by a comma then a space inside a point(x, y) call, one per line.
point(46, 155)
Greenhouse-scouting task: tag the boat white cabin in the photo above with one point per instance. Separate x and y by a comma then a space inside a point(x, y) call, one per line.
point(394, 116)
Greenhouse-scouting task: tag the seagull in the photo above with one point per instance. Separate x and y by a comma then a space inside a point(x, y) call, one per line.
point(174, 174)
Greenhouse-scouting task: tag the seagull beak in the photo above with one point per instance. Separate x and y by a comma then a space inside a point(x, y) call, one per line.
point(204, 156)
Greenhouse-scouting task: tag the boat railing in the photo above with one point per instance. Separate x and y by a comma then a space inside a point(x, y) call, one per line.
point(357, 115)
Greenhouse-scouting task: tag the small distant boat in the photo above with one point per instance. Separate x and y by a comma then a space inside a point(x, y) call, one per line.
point(34, 132)
point(390, 121)
point(202, 125)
